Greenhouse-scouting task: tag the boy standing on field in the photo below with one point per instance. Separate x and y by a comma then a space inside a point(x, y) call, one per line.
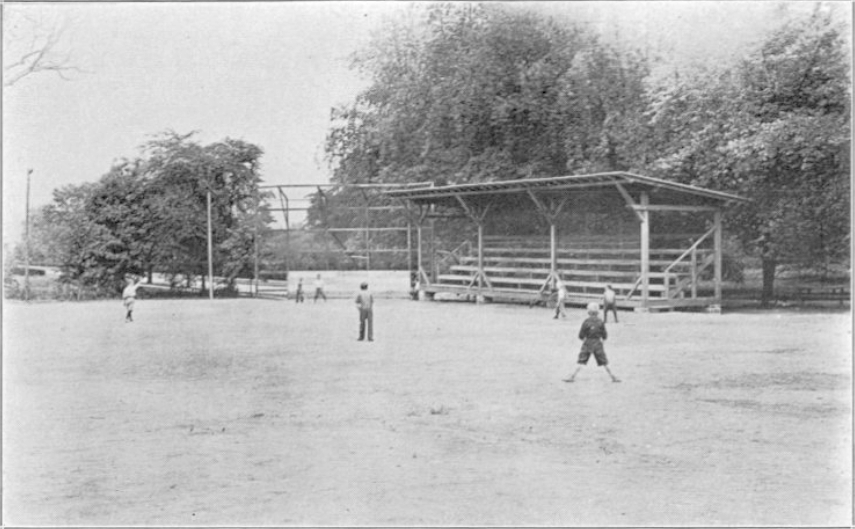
point(129, 294)
point(561, 297)
point(365, 304)
point(593, 332)
point(609, 303)
point(299, 295)
point(319, 289)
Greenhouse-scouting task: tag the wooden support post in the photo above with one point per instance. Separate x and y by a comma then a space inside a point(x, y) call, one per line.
point(419, 262)
point(694, 272)
point(480, 257)
point(410, 254)
point(718, 257)
point(553, 250)
point(433, 263)
point(645, 251)
point(478, 214)
point(550, 212)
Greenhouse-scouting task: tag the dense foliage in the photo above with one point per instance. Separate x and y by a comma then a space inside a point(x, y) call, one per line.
point(474, 92)
point(774, 128)
point(150, 215)
point(477, 93)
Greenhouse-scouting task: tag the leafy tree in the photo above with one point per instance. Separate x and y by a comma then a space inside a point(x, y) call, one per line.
point(775, 129)
point(65, 234)
point(150, 214)
point(472, 92)
point(479, 93)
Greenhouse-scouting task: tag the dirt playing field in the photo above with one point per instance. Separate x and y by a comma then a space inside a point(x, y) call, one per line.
point(252, 412)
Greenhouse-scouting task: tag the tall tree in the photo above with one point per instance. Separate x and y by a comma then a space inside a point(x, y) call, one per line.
point(476, 92)
point(775, 129)
point(150, 214)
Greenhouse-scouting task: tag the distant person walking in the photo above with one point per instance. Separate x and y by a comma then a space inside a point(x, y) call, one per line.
point(561, 297)
point(298, 296)
point(609, 303)
point(593, 332)
point(129, 295)
point(365, 304)
point(319, 288)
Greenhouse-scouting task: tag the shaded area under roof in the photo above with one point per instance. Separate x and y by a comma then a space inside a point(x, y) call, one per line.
point(431, 194)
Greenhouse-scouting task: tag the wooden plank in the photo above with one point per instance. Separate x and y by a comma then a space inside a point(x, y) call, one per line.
point(543, 272)
point(604, 251)
point(573, 298)
point(565, 261)
point(499, 280)
point(663, 207)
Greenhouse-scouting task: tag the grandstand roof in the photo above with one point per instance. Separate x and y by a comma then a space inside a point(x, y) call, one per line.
point(430, 193)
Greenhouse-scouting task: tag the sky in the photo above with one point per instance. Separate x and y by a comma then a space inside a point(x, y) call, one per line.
point(267, 73)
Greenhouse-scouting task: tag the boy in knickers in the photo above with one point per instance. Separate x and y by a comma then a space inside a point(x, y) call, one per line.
point(593, 332)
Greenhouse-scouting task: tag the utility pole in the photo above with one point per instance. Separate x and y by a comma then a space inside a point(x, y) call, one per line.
point(254, 288)
point(27, 241)
point(210, 251)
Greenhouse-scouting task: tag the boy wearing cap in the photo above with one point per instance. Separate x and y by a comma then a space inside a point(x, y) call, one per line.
point(365, 304)
point(593, 332)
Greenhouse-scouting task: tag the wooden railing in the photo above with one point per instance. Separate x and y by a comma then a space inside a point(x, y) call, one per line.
point(682, 281)
point(459, 251)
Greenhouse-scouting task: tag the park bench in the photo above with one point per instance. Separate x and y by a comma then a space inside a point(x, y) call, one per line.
point(839, 294)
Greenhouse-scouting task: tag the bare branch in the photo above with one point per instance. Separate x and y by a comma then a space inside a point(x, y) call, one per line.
point(41, 54)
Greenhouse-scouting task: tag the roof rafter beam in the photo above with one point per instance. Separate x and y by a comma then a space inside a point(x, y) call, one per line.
point(551, 210)
point(475, 213)
point(630, 203)
point(440, 193)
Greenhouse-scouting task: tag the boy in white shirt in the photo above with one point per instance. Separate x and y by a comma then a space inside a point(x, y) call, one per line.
point(129, 295)
point(609, 303)
point(561, 297)
point(319, 289)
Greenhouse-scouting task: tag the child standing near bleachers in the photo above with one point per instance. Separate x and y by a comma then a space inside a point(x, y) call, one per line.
point(609, 303)
point(561, 297)
point(593, 332)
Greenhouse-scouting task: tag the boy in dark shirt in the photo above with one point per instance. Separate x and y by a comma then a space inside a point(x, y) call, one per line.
point(593, 332)
point(299, 296)
point(365, 304)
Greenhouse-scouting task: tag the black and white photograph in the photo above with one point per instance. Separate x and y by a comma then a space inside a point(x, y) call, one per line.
point(433, 264)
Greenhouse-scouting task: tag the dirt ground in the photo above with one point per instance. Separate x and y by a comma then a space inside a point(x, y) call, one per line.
point(253, 412)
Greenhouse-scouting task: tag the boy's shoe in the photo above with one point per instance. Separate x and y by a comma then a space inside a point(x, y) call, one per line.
point(615, 380)
point(568, 379)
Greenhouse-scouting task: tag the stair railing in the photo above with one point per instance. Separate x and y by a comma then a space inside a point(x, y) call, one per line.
point(463, 248)
point(680, 285)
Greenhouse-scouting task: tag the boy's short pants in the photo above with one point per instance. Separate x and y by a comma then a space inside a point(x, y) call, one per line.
point(129, 303)
point(594, 347)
